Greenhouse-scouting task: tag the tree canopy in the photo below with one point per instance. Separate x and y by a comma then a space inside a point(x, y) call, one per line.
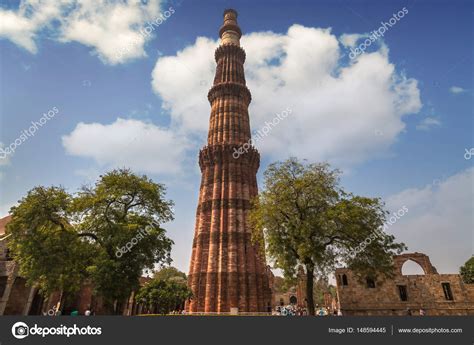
point(107, 234)
point(467, 271)
point(304, 217)
point(169, 272)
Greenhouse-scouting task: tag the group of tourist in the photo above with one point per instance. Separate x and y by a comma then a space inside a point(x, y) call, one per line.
point(74, 312)
point(292, 310)
point(289, 310)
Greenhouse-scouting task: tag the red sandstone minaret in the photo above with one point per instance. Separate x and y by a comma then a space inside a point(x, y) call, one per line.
point(226, 271)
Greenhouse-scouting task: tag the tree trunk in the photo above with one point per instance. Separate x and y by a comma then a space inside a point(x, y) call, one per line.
point(309, 288)
point(62, 298)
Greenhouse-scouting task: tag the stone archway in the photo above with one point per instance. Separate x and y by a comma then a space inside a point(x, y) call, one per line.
point(421, 259)
point(411, 267)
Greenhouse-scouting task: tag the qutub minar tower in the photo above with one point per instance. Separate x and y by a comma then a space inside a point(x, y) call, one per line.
point(227, 273)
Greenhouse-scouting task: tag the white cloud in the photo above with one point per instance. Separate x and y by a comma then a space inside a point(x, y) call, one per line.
point(183, 82)
point(350, 40)
point(428, 123)
point(22, 26)
point(107, 27)
point(18, 29)
point(456, 89)
point(128, 143)
point(110, 27)
point(337, 109)
point(439, 221)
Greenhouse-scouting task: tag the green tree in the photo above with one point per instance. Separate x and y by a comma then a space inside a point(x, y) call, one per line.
point(467, 271)
point(48, 249)
point(121, 216)
point(304, 217)
point(283, 285)
point(108, 233)
point(169, 272)
point(167, 291)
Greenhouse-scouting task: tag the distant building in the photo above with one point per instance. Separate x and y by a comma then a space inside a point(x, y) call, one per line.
point(297, 295)
point(15, 297)
point(436, 294)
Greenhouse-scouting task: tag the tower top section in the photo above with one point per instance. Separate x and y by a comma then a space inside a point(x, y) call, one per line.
point(230, 32)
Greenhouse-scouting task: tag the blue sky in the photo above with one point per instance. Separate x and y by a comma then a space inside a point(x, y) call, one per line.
point(397, 119)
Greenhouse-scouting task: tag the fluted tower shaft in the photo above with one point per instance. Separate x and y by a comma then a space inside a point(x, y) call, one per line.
point(226, 270)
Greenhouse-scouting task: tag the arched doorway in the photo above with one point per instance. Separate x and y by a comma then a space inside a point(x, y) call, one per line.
point(293, 300)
